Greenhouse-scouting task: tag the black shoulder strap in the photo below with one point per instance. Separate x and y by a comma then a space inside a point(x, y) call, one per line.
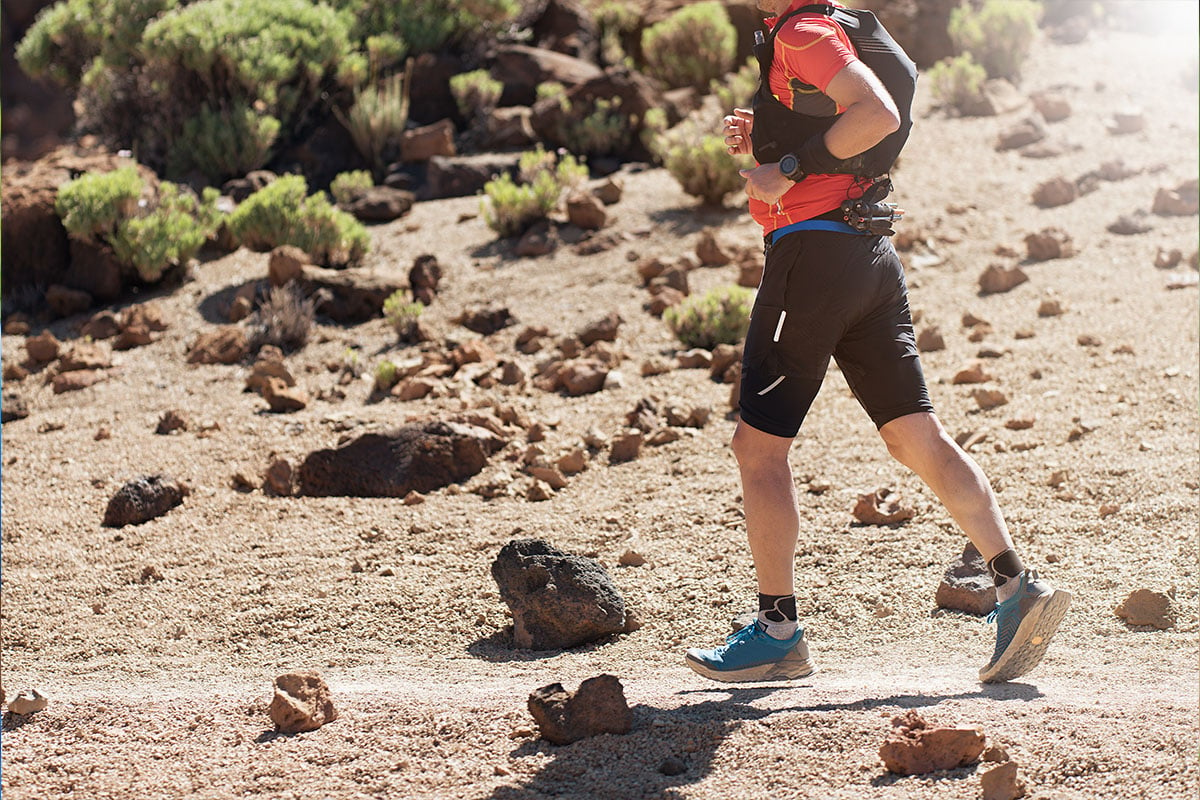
point(816, 8)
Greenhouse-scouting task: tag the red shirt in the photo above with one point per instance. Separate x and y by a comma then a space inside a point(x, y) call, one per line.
point(809, 50)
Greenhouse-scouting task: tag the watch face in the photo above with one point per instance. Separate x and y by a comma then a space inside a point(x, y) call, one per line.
point(787, 165)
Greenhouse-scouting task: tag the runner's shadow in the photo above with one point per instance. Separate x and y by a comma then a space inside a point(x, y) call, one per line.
point(692, 219)
point(634, 765)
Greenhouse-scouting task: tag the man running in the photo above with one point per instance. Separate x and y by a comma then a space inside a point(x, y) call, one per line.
point(833, 286)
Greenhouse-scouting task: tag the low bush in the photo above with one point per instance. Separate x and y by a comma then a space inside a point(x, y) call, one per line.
point(736, 89)
point(403, 315)
point(284, 213)
point(222, 143)
point(284, 319)
point(719, 316)
point(693, 46)
point(386, 376)
point(619, 27)
point(427, 25)
point(148, 235)
point(92, 205)
point(699, 161)
point(476, 93)
point(511, 207)
point(378, 117)
point(348, 185)
point(170, 234)
point(957, 81)
point(997, 33)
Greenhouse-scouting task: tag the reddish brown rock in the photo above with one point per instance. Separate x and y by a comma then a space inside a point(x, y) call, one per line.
point(626, 447)
point(582, 376)
point(102, 325)
point(1026, 132)
point(586, 211)
point(1002, 783)
point(709, 250)
point(66, 302)
point(282, 398)
point(989, 398)
point(1183, 200)
point(1049, 243)
point(85, 355)
point(597, 707)
point(43, 347)
point(664, 298)
point(301, 702)
point(930, 339)
point(1147, 607)
point(78, 379)
point(171, 421)
point(881, 507)
point(1050, 308)
point(996, 279)
point(600, 330)
point(424, 278)
point(1055, 192)
point(226, 345)
point(610, 190)
point(973, 372)
point(269, 364)
point(422, 144)
point(915, 748)
point(572, 462)
point(967, 585)
point(1053, 106)
point(286, 264)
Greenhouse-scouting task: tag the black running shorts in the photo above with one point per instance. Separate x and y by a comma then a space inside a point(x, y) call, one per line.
point(823, 294)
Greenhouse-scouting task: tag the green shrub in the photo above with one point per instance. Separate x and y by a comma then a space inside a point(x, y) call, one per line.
point(699, 160)
point(348, 185)
point(92, 205)
point(284, 213)
point(476, 93)
point(284, 319)
point(719, 316)
point(378, 117)
point(68, 37)
point(737, 89)
point(509, 207)
point(551, 89)
point(402, 315)
point(603, 130)
point(957, 81)
point(220, 144)
point(998, 33)
point(106, 208)
point(386, 376)
point(427, 25)
point(170, 234)
point(692, 46)
point(619, 26)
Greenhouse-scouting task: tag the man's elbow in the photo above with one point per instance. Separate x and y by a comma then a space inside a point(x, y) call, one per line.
point(887, 119)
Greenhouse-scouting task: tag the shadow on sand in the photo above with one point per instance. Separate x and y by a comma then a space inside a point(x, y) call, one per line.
point(630, 765)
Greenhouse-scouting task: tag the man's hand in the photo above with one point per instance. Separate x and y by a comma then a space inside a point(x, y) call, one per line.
point(738, 126)
point(766, 183)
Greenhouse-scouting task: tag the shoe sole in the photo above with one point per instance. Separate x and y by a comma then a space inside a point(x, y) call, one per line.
point(790, 667)
point(1031, 640)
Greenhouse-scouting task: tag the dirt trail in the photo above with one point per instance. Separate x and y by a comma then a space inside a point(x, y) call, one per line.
point(159, 688)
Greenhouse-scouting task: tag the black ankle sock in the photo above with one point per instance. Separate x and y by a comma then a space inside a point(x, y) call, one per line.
point(1004, 566)
point(778, 607)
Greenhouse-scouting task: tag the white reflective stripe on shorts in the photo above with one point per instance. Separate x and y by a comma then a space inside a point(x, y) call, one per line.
point(779, 325)
point(775, 383)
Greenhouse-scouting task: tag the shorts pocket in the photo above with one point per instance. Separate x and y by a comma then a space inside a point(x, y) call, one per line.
point(782, 343)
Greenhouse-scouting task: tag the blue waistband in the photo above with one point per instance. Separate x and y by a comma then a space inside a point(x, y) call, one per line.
point(812, 225)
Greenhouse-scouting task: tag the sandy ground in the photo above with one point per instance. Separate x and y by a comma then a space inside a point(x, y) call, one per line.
point(160, 688)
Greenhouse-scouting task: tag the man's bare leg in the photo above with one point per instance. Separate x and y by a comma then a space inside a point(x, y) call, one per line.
point(769, 496)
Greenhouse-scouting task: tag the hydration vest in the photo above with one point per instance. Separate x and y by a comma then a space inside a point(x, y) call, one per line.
point(779, 130)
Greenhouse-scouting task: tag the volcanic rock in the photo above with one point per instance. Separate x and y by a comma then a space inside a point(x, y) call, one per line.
point(1002, 783)
point(989, 398)
point(996, 279)
point(282, 398)
point(171, 421)
point(142, 499)
point(881, 507)
point(1026, 132)
point(77, 379)
point(915, 748)
point(557, 600)
point(28, 702)
point(485, 320)
point(226, 345)
point(420, 456)
point(43, 347)
point(1049, 243)
point(585, 211)
point(967, 585)
point(1055, 192)
point(1053, 106)
point(285, 264)
point(66, 302)
point(626, 447)
point(598, 707)
point(971, 373)
point(1129, 225)
point(582, 376)
point(424, 278)
point(930, 339)
point(85, 355)
point(381, 204)
point(603, 329)
point(422, 144)
point(1147, 607)
point(1183, 200)
point(301, 702)
point(102, 325)
point(13, 406)
point(709, 250)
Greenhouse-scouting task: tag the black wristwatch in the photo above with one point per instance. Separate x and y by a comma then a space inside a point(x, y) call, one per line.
point(790, 167)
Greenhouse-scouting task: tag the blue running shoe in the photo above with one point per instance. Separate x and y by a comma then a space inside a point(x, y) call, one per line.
point(1025, 623)
point(751, 654)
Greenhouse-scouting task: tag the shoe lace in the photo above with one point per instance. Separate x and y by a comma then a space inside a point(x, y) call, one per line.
point(746, 632)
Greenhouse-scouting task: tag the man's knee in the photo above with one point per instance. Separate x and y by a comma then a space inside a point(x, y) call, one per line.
point(756, 450)
point(916, 439)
